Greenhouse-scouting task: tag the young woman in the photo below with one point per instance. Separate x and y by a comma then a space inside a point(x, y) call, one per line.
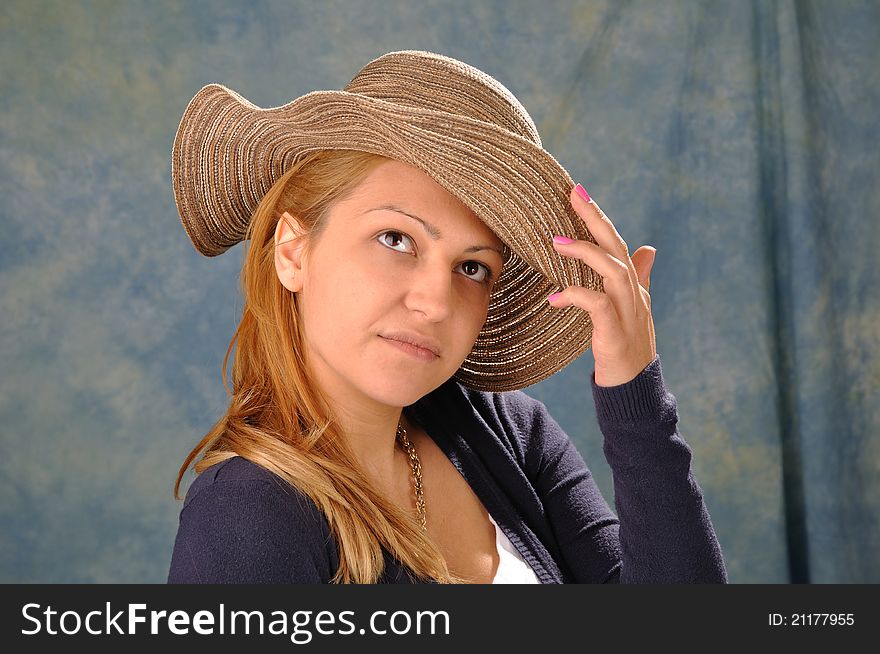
point(404, 236)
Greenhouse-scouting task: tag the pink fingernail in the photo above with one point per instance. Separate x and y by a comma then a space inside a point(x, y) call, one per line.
point(582, 192)
point(563, 239)
point(553, 296)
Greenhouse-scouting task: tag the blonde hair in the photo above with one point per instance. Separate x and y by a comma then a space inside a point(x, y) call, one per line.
point(276, 418)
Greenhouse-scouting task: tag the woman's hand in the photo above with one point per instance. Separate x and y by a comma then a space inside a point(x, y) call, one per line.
point(623, 329)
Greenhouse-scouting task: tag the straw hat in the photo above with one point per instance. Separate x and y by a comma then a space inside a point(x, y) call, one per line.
point(457, 124)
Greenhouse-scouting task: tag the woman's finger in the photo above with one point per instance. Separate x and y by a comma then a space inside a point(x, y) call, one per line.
point(601, 227)
point(603, 230)
point(647, 297)
point(606, 322)
point(643, 260)
point(615, 275)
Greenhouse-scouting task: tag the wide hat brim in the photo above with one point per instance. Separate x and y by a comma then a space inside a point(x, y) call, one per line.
point(228, 152)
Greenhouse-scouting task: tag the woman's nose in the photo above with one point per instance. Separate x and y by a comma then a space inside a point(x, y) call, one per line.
point(431, 292)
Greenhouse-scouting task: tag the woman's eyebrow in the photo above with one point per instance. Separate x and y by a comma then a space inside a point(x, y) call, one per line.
point(432, 230)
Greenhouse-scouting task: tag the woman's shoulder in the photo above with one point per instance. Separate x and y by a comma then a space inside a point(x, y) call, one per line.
point(241, 488)
point(242, 523)
point(234, 470)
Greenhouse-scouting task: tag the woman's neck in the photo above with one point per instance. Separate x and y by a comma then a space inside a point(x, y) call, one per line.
point(373, 441)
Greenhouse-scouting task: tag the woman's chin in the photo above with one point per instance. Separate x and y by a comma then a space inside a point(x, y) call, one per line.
point(403, 389)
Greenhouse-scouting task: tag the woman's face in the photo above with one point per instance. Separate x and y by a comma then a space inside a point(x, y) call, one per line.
point(377, 274)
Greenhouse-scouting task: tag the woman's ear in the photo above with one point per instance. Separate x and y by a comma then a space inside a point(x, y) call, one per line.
point(289, 243)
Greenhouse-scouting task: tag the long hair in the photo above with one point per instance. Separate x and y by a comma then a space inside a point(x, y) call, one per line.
point(276, 417)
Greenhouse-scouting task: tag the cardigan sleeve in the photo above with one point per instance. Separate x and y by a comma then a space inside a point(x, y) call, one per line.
point(662, 532)
point(249, 531)
point(666, 534)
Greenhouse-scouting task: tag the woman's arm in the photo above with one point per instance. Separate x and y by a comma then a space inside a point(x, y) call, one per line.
point(662, 532)
point(666, 535)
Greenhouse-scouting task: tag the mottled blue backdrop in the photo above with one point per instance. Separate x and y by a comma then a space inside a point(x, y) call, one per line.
point(739, 139)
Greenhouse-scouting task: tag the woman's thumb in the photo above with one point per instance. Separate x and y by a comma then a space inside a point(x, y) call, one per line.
point(643, 260)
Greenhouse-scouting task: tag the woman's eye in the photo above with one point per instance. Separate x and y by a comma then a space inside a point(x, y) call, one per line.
point(399, 238)
point(477, 267)
point(483, 272)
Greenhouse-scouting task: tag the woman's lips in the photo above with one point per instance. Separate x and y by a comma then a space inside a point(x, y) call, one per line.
point(419, 353)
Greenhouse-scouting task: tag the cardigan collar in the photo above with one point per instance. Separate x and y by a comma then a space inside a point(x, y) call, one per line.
point(464, 440)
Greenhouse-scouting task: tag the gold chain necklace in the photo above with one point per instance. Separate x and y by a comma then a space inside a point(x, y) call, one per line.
point(416, 473)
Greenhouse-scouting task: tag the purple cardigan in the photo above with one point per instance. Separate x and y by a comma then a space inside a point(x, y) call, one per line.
point(242, 524)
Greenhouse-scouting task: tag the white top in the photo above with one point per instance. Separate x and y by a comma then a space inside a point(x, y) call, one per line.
point(511, 567)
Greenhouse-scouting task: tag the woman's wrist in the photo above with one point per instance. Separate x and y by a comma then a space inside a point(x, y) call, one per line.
point(640, 398)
